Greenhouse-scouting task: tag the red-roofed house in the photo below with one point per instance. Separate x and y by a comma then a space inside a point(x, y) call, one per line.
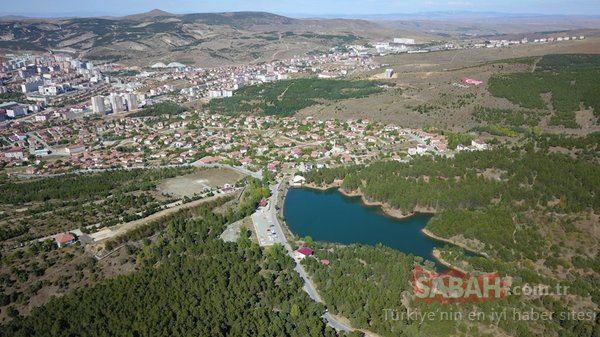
point(471, 81)
point(209, 160)
point(64, 239)
point(273, 166)
point(303, 252)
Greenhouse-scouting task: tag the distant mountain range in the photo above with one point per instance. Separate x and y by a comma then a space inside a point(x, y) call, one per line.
point(431, 15)
point(209, 39)
point(440, 15)
point(200, 38)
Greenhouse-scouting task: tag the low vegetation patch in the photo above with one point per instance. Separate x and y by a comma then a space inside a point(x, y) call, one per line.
point(287, 97)
point(160, 109)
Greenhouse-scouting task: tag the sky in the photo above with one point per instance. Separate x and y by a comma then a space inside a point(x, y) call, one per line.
point(46, 8)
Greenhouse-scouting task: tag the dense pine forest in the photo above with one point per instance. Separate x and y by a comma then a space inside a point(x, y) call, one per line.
point(569, 80)
point(529, 211)
point(189, 283)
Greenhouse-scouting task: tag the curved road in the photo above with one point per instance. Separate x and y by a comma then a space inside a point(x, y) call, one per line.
point(309, 288)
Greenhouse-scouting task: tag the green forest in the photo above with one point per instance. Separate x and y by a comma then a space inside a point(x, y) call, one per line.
point(287, 97)
point(77, 200)
point(474, 179)
point(85, 186)
point(159, 109)
point(356, 277)
point(525, 209)
point(508, 117)
point(368, 284)
point(188, 283)
point(570, 80)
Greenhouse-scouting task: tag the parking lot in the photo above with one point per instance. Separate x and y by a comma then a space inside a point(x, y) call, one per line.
point(265, 228)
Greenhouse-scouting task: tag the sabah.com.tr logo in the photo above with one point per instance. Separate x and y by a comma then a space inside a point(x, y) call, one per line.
point(452, 286)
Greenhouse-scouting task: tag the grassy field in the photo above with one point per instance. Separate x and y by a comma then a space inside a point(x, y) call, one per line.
point(193, 183)
point(285, 98)
point(430, 96)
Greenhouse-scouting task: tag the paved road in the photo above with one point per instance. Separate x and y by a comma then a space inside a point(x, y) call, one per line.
point(337, 325)
point(270, 213)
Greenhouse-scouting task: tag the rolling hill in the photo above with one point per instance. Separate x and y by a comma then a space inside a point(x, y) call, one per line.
point(203, 38)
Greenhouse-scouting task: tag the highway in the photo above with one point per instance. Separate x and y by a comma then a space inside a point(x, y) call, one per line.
point(270, 214)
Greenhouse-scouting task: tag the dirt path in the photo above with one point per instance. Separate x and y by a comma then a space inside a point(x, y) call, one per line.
point(109, 233)
point(287, 48)
point(535, 63)
point(280, 97)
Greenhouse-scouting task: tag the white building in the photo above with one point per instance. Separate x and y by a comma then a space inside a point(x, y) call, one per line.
point(13, 109)
point(419, 150)
point(298, 181)
point(389, 73)
point(31, 85)
point(404, 41)
point(220, 93)
point(98, 106)
point(116, 102)
point(14, 153)
point(132, 102)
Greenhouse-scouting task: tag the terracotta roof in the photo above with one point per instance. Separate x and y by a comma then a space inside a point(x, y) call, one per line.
point(305, 251)
point(64, 238)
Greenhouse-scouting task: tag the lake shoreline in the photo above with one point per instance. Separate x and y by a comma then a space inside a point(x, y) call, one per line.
point(385, 208)
point(392, 212)
point(438, 256)
point(397, 214)
point(430, 235)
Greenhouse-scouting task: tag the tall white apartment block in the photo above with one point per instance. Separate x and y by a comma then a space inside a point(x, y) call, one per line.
point(98, 105)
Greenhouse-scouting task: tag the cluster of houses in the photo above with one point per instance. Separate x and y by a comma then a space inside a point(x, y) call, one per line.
point(223, 81)
point(256, 142)
point(494, 43)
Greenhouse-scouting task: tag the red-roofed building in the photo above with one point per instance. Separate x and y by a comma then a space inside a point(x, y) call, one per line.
point(263, 203)
point(471, 81)
point(64, 239)
point(209, 160)
point(303, 252)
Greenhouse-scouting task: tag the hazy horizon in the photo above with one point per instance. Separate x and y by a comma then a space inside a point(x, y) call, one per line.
point(307, 8)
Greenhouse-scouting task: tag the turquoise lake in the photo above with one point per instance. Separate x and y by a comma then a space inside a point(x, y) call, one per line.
point(333, 217)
